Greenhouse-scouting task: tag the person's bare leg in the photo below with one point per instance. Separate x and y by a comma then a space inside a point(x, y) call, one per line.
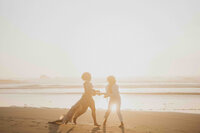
point(92, 106)
point(106, 117)
point(119, 114)
point(107, 113)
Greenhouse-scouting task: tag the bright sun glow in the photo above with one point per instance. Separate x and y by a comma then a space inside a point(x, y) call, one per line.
point(113, 107)
point(126, 40)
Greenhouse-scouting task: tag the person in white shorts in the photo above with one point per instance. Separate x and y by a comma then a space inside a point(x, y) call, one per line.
point(112, 91)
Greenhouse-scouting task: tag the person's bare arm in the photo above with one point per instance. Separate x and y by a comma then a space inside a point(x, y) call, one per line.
point(107, 94)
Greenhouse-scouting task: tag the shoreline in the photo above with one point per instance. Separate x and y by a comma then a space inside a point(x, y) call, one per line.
point(102, 109)
point(29, 119)
point(127, 93)
point(37, 86)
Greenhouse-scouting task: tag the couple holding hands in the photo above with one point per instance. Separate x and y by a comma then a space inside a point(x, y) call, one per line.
point(112, 91)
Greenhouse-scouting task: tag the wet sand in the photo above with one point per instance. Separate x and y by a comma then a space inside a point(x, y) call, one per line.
point(35, 120)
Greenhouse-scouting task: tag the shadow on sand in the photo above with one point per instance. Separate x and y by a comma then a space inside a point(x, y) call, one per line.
point(56, 128)
point(95, 130)
point(53, 128)
point(105, 131)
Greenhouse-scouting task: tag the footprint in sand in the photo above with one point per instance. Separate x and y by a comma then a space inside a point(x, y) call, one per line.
point(14, 124)
point(36, 122)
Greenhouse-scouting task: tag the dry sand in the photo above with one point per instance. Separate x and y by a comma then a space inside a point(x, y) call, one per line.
point(34, 120)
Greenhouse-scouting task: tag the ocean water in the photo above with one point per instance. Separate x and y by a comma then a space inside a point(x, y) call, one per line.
point(138, 99)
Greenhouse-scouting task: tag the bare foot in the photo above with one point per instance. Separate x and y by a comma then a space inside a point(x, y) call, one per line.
point(74, 121)
point(96, 124)
point(122, 125)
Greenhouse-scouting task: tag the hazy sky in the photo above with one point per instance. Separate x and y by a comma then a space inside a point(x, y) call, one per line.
point(123, 38)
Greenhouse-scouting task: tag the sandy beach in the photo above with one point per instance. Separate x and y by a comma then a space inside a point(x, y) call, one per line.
point(34, 120)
